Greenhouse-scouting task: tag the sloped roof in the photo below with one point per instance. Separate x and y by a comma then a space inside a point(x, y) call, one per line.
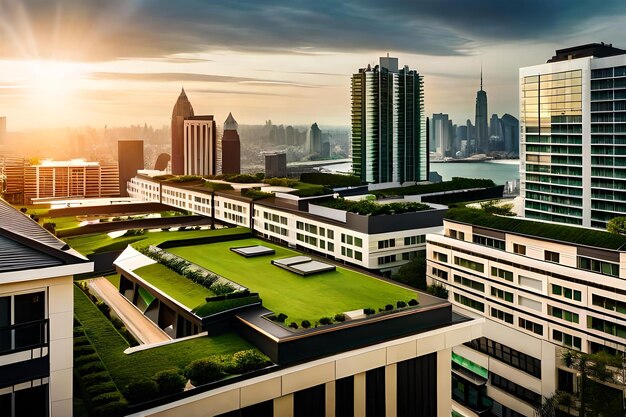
point(230, 123)
point(26, 245)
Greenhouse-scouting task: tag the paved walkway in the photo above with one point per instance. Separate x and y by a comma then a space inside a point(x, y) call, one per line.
point(144, 330)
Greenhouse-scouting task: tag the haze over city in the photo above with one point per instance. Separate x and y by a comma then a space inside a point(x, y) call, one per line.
point(121, 62)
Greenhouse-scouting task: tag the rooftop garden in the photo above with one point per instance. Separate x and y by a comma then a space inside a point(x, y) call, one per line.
point(332, 180)
point(457, 183)
point(283, 292)
point(101, 242)
point(372, 208)
point(155, 364)
point(550, 231)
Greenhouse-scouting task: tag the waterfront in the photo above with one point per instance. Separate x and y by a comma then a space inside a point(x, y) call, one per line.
point(499, 171)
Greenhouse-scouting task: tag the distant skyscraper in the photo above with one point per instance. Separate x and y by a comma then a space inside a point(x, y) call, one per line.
point(199, 146)
point(389, 138)
point(315, 139)
point(495, 128)
point(510, 133)
point(275, 165)
point(440, 132)
point(129, 161)
point(572, 128)
point(3, 130)
point(182, 110)
point(231, 148)
point(482, 132)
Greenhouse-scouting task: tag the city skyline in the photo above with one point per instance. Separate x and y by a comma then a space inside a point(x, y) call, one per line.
point(74, 65)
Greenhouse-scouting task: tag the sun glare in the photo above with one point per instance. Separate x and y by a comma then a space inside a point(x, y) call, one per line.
point(53, 82)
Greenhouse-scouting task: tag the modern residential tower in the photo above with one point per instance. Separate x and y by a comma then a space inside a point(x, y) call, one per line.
point(231, 148)
point(573, 136)
point(389, 140)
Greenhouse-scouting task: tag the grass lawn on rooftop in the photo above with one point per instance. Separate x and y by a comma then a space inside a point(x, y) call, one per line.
point(123, 368)
point(175, 285)
point(101, 242)
point(310, 298)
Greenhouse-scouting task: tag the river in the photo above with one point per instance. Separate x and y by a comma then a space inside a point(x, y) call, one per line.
point(499, 171)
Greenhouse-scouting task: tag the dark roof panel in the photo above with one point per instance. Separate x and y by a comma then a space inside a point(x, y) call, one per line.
point(15, 256)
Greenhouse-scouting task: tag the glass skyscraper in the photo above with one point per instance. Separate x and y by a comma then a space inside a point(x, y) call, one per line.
point(389, 141)
point(573, 136)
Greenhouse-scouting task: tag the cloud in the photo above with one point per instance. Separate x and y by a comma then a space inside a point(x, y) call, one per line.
point(190, 77)
point(163, 29)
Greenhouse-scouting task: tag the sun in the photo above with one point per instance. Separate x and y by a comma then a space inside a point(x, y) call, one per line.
point(52, 82)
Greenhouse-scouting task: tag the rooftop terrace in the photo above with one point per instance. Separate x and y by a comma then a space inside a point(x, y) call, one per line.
point(555, 232)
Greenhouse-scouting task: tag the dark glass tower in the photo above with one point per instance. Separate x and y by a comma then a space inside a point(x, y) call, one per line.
point(389, 141)
point(482, 128)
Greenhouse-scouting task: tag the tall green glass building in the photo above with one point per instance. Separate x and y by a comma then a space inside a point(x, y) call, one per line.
point(389, 140)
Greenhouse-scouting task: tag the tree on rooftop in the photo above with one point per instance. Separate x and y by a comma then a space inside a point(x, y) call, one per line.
point(496, 207)
point(413, 273)
point(617, 225)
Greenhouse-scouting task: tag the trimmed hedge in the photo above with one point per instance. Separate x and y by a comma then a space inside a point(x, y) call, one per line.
point(81, 360)
point(141, 390)
point(249, 360)
point(371, 208)
point(457, 183)
point(95, 378)
point(101, 388)
point(170, 381)
point(333, 180)
point(205, 370)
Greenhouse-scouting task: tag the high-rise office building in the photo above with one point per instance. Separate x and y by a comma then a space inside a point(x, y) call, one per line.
point(482, 132)
point(231, 148)
point(182, 110)
point(315, 139)
point(389, 138)
point(510, 133)
point(199, 146)
point(440, 133)
point(129, 161)
point(572, 133)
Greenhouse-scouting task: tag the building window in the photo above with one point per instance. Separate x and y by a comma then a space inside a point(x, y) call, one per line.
point(519, 249)
point(29, 401)
point(24, 326)
point(490, 242)
point(509, 356)
point(330, 234)
point(501, 294)
point(310, 401)
point(375, 392)
point(414, 240)
point(531, 326)
point(476, 305)
point(566, 292)
point(609, 303)
point(388, 243)
point(466, 263)
point(441, 257)
point(358, 242)
point(567, 339)
point(475, 285)
point(608, 327)
point(439, 273)
point(563, 314)
point(382, 260)
point(502, 273)
point(601, 267)
point(358, 255)
point(502, 315)
point(551, 256)
point(344, 396)
point(518, 391)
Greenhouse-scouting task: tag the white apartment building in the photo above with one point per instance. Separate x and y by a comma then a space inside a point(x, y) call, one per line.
point(371, 242)
point(573, 136)
point(542, 288)
point(36, 318)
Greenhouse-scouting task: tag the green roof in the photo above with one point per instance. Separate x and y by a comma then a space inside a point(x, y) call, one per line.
point(556, 232)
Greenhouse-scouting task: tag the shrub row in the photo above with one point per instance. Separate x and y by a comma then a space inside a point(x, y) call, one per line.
point(367, 207)
point(255, 193)
point(340, 317)
point(104, 398)
point(185, 269)
point(106, 310)
point(333, 180)
point(199, 372)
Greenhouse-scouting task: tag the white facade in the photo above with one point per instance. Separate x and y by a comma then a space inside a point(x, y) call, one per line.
point(536, 299)
point(199, 147)
point(572, 140)
point(283, 386)
point(313, 232)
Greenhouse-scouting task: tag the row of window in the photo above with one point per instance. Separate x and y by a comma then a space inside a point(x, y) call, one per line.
point(510, 356)
point(351, 240)
point(235, 207)
point(567, 339)
point(469, 302)
point(475, 285)
point(389, 259)
point(387, 243)
point(608, 327)
point(502, 315)
point(516, 390)
point(275, 218)
point(275, 229)
point(352, 253)
point(489, 242)
point(502, 273)
point(566, 292)
point(466, 263)
point(562, 314)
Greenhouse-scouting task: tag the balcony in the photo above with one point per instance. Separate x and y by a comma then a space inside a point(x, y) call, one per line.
point(24, 336)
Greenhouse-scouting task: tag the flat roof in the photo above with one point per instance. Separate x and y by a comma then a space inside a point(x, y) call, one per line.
point(540, 230)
